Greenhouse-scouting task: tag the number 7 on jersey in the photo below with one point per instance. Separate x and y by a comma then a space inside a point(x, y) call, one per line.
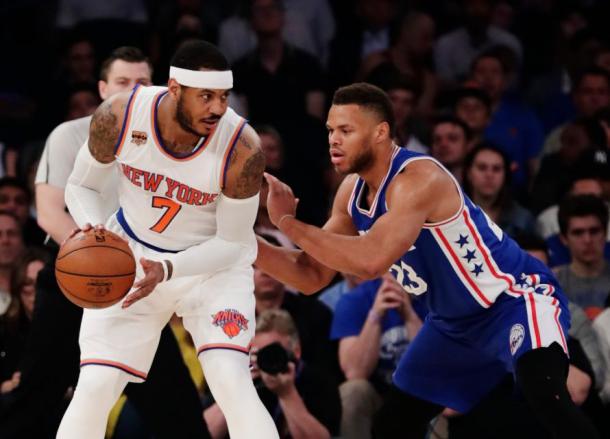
point(172, 209)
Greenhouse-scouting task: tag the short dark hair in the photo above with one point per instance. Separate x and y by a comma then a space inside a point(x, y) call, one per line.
point(16, 183)
point(367, 96)
point(581, 205)
point(454, 121)
point(471, 92)
point(591, 71)
point(199, 54)
point(503, 54)
point(124, 53)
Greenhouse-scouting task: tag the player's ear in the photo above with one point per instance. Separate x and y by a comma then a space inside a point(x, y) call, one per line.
point(173, 88)
point(382, 131)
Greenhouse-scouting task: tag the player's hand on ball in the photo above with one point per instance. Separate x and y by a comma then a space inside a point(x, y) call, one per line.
point(281, 201)
point(85, 228)
point(153, 274)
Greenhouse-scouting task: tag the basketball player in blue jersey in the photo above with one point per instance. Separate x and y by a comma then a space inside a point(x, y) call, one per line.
point(190, 170)
point(493, 309)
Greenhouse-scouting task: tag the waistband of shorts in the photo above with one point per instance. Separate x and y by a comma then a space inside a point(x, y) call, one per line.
point(129, 231)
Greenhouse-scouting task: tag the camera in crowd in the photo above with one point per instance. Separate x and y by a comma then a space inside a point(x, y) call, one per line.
point(274, 358)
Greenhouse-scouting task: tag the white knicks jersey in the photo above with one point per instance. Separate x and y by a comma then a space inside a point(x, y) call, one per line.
point(168, 202)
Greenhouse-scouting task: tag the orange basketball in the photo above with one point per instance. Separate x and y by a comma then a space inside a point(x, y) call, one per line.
point(95, 269)
point(231, 329)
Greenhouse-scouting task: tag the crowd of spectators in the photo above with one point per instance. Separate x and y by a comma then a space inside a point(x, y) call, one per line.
point(511, 96)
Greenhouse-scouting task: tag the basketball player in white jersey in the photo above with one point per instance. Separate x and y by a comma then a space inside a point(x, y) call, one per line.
point(190, 173)
point(56, 321)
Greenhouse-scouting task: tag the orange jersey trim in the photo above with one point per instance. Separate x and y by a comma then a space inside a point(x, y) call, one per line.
point(115, 364)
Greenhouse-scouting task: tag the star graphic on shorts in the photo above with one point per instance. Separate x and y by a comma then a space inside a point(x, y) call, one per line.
point(462, 241)
point(523, 282)
point(478, 269)
point(470, 254)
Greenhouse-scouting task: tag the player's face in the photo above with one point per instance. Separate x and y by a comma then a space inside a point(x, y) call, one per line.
point(28, 292)
point(11, 243)
point(123, 76)
point(448, 144)
point(487, 174)
point(15, 200)
point(351, 133)
point(585, 238)
point(198, 110)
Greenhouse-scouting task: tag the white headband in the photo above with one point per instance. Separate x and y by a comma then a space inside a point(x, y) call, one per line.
point(211, 79)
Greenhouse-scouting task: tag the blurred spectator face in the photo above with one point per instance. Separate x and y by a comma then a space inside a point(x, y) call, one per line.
point(592, 95)
point(403, 103)
point(502, 15)
point(81, 61)
point(488, 72)
point(585, 238)
point(487, 174)
point(377, 13)
point(478, 14)
point(267, 17)
point(274, 153)
point(15, 200)
point(602, 60)
point(587, 186)
point(82, 103)
point(449, 145)
point(417, 34)
point(28, 291)
point(574, 141)
point(266, 287)
point(123, 76)
point(11, 242)
point(473, 112)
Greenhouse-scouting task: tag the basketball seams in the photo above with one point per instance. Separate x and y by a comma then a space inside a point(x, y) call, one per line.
point(94, 275)
point(128, 253)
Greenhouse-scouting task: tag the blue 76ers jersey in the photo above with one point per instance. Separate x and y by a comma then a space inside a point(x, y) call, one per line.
point(466, 262)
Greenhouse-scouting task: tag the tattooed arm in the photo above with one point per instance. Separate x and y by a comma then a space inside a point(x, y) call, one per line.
point(93, 165)
point(246, 168)
point(105, 127)
point(236, 209)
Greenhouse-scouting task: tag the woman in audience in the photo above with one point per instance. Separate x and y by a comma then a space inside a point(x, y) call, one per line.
point(15, 323)
point(487, 182)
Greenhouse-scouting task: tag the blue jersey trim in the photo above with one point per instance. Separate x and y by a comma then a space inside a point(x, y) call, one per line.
point(121, 219)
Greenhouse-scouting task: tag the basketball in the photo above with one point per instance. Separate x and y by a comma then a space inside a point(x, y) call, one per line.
point(95, 269)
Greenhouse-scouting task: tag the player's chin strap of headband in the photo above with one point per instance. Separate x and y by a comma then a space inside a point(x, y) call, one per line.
point(210, 79)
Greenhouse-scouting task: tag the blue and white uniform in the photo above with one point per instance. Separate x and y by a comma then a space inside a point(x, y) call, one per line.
point(489, 301)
